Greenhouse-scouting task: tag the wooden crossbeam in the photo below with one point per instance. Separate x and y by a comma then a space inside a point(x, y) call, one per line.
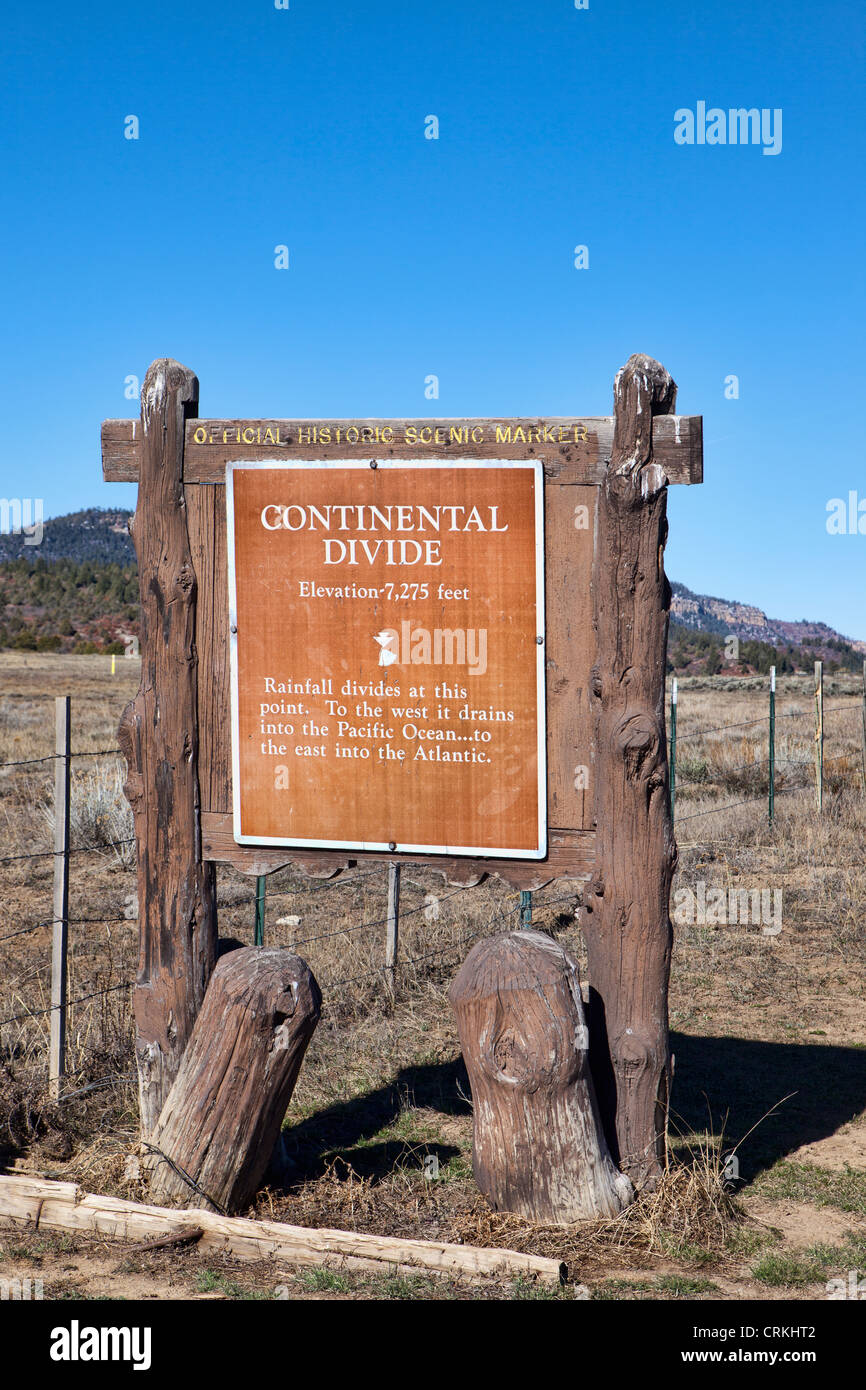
point(571, 854)
point(573, 450)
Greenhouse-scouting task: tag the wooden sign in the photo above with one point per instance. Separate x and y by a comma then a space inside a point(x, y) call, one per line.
point(387, 655)
point(573, 453)
point(379, 587)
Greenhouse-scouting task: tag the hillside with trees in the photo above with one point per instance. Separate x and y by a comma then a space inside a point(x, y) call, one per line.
point(67, 606)
point(97, 534)
point(710, 636)
point(78, 592)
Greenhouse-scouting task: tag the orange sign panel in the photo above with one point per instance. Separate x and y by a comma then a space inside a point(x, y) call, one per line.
point(387, 647)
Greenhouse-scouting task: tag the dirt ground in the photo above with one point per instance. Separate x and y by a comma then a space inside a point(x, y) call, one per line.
point(766, 1191)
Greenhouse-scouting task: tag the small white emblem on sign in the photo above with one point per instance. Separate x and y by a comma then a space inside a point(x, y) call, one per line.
point(386, 655)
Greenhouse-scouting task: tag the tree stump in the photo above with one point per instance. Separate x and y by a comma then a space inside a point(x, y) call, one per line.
point(221, 1119)
point(625, 916)
point(538, 1146)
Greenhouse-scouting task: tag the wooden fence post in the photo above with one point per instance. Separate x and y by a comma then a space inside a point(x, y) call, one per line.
point(159, 738)
point(626, 907)
point(819, 735)
point(60, 926)
point(537, 1144)
point(392, 928)
point(222, 1116)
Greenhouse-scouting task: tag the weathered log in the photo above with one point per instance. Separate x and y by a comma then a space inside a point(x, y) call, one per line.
point(626, 908)
point(217, 1130)
point(159, 737)
point(538, 1147)
point(38, 1204)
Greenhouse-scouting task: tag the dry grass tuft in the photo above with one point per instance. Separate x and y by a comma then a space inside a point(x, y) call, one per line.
point(690, 1213)
point(100, 817)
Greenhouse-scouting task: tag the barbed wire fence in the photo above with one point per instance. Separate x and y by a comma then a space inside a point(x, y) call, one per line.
point(752, 768)
point(394, 964)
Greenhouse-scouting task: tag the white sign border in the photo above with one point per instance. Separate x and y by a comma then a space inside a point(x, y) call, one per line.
point(464, 851)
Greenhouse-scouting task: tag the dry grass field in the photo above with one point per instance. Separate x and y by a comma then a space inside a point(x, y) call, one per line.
point(769, 1027)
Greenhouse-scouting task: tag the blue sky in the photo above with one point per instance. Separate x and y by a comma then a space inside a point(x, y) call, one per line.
point(410, 256)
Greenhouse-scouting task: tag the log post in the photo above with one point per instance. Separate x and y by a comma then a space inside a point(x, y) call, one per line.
point(218, 1127)
point(538, 1147)
point(626, 907)
point(159, 738)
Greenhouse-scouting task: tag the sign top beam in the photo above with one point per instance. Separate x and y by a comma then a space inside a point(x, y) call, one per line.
point(573, 449)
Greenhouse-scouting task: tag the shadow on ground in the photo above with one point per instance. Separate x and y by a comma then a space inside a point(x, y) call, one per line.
point(719, 1081)
point(347, 1128)
point(743, 1079)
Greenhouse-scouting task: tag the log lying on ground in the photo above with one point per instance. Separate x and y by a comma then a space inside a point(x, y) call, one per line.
point(35, 1203)
point(538, 1146)
point(222, 1116)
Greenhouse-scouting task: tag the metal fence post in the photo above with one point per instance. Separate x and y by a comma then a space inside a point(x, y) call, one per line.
point(392, 927)
point(772, 741)
point(819, 735)
point(60, 925)
point(525, 909)
point(261, 885)
point(673, 752)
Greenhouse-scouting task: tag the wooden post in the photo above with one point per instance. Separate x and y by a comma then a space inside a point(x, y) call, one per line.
point(223, 1114)
point(60, 927)
point(392, 928)
point(538, 1147)
point(819, 735)
point(626, 907)
point(159, 737)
